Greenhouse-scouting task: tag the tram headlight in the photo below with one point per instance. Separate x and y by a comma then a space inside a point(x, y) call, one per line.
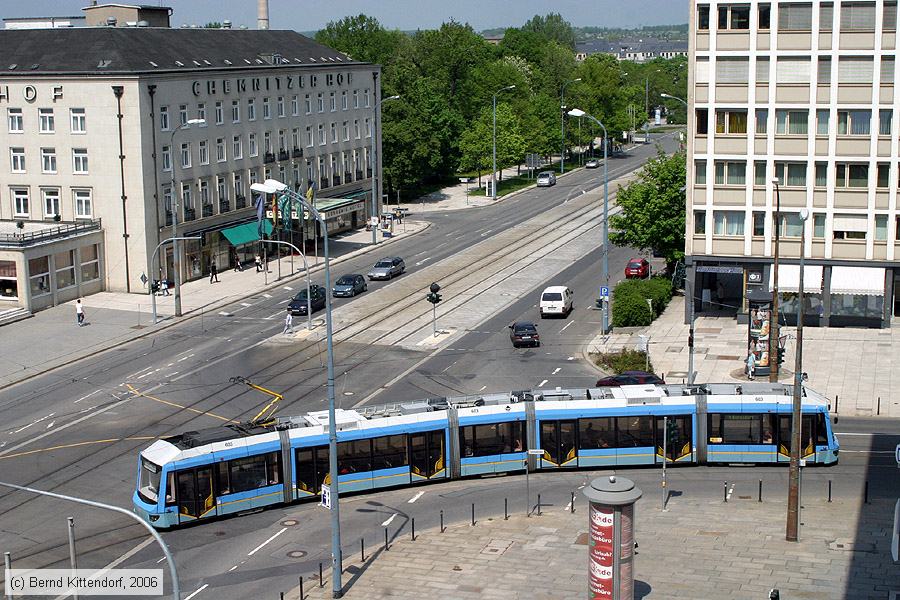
point(154, 518)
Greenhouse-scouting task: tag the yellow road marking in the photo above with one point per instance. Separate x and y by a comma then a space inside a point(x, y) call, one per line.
point(77, 444)
point(137, 392)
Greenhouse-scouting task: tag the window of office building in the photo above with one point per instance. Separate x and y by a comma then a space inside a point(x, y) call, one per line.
point(850, 227)
point(700, 172)
point(84, 204)
point(851, 175)
point(20, 202)
point(220, 150)
point(731, 173)
point(203, 152)
point(857, 16)
point(307, 103)
point(791, 224)
point(267, 142)
point(355, 98)
point(762, 70)
point(185, 155)
point(826, 16)
point(731, 121)
point(881, 224)
point(762, 118)
point(728, 222)
point(78, 120)
point(252, 147)
point(334, 137)
point(237, 147)
point(15, 120)
point(48, 160)
point(854, 122)
point(890, 16)
point(887, 70)
point(732, 70)
point(182, 114)
point(821, 174)
point(701, 118)
point(791, 122)
point(823, 73)
point(279, 106)
point(818, 225)
point(822, 119)
point(344, 105)
point(856, 69)
point(80, 161)
point(309, 136)
point(793, 70)
point(17, 160)
point(759, 223)
point(295, 105)
point(320, 102)
point(267, 108)
point(791, 174)
point(51, 202)
point(764, 14)
point(795, 16)
point(699, 222)
point(883, 175)
point(164, 118)
point(201, 113)
point(321, 131)
point(703, 17)
point(47, 120)
point(759, 173)
point(220, 114)
point(235, 111)
point(885, 117)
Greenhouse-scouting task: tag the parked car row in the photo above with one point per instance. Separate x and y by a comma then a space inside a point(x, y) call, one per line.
point(347, 286)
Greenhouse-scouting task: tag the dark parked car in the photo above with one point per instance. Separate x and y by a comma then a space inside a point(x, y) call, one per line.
point(387, 268)
point(629, 378)
point(524, 333)
point(349, 285)
point(298, 304)
point(637, 268)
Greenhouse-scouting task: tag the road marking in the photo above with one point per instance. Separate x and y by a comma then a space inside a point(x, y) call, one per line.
point(556, 370)
point(567, 326)
point(136, 372)
point(185, 357)
point(414, 498)
point(486, 232)
point(258, 548)
point(33, 423)
point(148, 374)
point(202, 587)
point(88, 396)
point(448, 367)
point(570, 358)
point(176, 405)
point(245, 304)
point(226, 314)
point(289, 288)
point(51, 424)
point(847, 433)
point(423, 261)
point(285, 301)
point(568, 506)
point(64, 446)
point(484, 387)
point(267, 295)
point(541, 384)
point(730, 491)
point(232, 568)
point(389, 520)
point(270, 317)
point(160, 560)
point(172, 374)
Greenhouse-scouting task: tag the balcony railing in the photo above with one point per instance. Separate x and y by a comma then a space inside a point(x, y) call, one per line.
point(207, 210)
point(190, 214)
point(224, 206)
point(297, 153)
point(283, 155)
point(269, 157)
point(40, 236)
point(240, 202)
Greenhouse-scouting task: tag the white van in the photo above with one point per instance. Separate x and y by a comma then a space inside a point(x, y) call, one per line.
point(556, 300)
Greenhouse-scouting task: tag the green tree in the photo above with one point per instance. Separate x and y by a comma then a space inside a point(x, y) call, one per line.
point(652, 215)
point(362, 38)
point(476, 142)
point(553, 27)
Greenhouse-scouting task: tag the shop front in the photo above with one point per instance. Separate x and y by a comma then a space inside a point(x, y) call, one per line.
point(856, 296)
point(789, 296)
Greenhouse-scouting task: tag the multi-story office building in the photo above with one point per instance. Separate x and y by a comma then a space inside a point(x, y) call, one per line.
point(95, 129)
point(805, 93)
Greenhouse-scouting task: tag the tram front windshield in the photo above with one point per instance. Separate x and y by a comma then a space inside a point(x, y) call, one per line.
point(150, 477)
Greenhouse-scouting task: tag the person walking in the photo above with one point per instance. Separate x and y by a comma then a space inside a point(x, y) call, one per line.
point(288, 323)
point(237, 262)
point(164, 287)
point(258, 261)
point(751, 365)
point(79, 312)
point(213, 272)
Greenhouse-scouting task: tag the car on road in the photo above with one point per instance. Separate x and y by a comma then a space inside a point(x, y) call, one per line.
point(629, 378)
point(546, 179)
point(349, 285)
point(637, 268)
point(387, 268)
point(592, 164)
point(556, 300)
point(524, 333)
point(299, 304)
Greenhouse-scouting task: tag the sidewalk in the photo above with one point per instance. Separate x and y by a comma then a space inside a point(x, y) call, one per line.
point(857, 366)
point(698, 550)
point(51, 338)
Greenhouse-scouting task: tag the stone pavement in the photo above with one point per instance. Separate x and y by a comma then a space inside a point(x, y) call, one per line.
point(697, 550)
point(856, 366)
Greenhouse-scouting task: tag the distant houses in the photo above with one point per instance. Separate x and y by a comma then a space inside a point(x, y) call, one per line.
point(636, 50)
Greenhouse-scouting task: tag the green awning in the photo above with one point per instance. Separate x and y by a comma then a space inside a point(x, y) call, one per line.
point(246, 233)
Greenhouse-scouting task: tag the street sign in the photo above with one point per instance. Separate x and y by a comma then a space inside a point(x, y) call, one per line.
point(604, 292)
point(144, 281)
point(536, 451)
point(326, 496)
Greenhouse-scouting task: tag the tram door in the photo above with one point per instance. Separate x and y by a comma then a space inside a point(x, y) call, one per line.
point(312, 470)
point(558, 443)
point(784, 437)
point(195, 494)
point(678, 440)
point(426, 455)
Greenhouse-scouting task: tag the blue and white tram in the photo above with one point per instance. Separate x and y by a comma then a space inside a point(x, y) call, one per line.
point(237, 468)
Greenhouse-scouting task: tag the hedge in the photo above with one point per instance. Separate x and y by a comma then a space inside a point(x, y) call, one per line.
point(624, 360)
point(629, 303)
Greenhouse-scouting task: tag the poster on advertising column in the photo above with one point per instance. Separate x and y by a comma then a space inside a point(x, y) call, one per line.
point(601, 555)
point(626, 553)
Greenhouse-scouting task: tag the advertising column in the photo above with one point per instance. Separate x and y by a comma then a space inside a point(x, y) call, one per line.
point(611, 560)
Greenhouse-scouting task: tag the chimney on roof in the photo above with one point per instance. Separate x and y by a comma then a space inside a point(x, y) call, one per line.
point(111, 21)
point(226, 24)
point(262, 14)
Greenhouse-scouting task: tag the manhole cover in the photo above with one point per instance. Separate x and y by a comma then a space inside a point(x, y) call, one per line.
point(289, 522)
point(296, 554)
point(455, 567)
point(496, 547)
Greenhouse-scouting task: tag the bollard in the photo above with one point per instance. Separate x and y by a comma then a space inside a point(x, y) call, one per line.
point(760, 491)
point(282, 595)
point(362, 550)
point(414, 529)
point(725, 492)
point(829, 490)
point(866, 493)
point(473, 514)
point(386, 547)
point(835, 404)
point(539, 505)
point(442, 521)
point(505, 510)
point(7, 564)
point(878, 410)
point(321, 582)
point(572, 503)
point(302, 596)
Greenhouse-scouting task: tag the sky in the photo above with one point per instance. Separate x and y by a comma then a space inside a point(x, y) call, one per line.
point(312, 15)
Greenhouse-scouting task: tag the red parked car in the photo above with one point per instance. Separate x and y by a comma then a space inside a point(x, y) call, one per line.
point(637, 268)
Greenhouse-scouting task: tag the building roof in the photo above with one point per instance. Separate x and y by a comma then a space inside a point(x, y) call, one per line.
point(104, 50)
point(631, 45)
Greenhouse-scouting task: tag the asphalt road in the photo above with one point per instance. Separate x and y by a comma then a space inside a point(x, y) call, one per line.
point(78, 430)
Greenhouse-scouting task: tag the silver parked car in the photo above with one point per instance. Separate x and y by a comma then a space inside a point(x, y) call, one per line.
point(546, 179)
point(387, 268)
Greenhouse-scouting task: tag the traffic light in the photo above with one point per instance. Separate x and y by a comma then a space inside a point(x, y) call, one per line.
point(780, 355)
point(433, 296)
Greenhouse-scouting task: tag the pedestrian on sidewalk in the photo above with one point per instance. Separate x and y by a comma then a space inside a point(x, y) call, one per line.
point(751, 365)
point(288, 323)
point(213, 272)
point(237, 262)
point(164, 287)
point(258, 261)
point(79, 312)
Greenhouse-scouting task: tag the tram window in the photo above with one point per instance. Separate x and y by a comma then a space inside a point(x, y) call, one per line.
point(821, 431)
point(634, 432)
point(222, 478)
point(247, 473)
point(170, 489)
point(735, 429)
point(355, 456)
point(596, 433)
point(389, 452)
point(807, 434)
point(150, 477)
point(491, 439)
point(768, 429)
point(273, 468)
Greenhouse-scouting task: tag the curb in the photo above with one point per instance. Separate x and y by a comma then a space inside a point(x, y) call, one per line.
point(198, 311)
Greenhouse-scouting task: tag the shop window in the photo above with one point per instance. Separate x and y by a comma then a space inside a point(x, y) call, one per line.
point(728, 222)
point(9, 284)
point(700, 222)
point(791, 122)
point(65, 269)
point(39, 276)
point(856, 305)
point(731, 121)
point(90, 263)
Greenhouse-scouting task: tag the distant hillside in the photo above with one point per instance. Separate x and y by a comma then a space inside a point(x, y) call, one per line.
point(584, 34)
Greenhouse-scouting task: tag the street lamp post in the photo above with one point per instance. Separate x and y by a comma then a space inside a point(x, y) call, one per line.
point(153, 260)
point(376, 205)
point(273, 186)
point(575, 112)
point(562, 120)
point(494, 153)
point(176, 251)
point(308, 279)
point(773, 318)
point(793, 512)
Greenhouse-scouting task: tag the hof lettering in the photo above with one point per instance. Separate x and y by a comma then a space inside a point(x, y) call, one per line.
point(87, 582)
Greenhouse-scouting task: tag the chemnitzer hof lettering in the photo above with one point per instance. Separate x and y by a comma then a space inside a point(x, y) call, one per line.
point(219, 87)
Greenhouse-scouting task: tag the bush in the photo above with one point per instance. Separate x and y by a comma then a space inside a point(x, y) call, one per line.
point(629, 306)
point(624, 360)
